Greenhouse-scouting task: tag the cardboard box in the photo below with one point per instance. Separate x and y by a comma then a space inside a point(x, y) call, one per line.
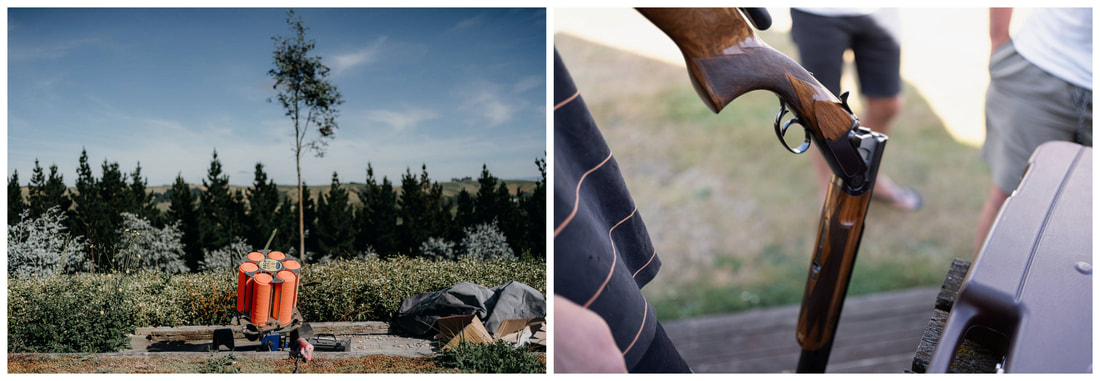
point(511, 326)
point(462, 328)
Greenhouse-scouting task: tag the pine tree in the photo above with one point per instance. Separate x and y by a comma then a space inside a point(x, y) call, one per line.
point(377, 219)
point(36, 190)
point(57, 192)
point(112, 194)
point(16, 205)
point(414, 208)
point(286, 219)
point(495, 202)
point(141, 201)
point(46, 192)
point(365, 234)
point(183, 209)
point(238, 216)
point(388, 216)
point(335, 230)
point(464, 215)
point(530, 214)
point(263, 200)
point(509, 218)
point(534, 207)
point(88, 214)
point(487, 205)
point(424, 211)
point(438, 214)
point(215, 208)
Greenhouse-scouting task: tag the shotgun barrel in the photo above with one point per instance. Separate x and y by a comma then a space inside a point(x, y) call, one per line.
point(725, 59)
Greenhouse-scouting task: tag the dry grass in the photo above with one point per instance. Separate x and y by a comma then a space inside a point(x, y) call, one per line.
point(220, 363)
point(732, 214)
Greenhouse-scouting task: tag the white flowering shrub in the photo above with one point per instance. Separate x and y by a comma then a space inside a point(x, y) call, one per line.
point(41, 246)
point(151, 248)
point(438, 249)
point(226, 257)
point(368, 253)
point(485, 242)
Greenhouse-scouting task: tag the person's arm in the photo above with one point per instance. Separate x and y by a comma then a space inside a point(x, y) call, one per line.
point(999, 20)
point(583, 341)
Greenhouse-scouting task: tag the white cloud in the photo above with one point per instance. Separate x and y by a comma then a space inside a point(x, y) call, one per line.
point(488, 104)
point(496, 112)
point(58, 50)
point(469, 22)
point(528, 83)
point(405, 119)
point(346, 61)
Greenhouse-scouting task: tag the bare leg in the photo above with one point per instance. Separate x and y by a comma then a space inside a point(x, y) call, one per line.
point(878, 116)
point(989, 212)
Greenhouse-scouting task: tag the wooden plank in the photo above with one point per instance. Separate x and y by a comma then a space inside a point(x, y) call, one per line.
point(873, 365)
point(353, 328)
point(877, 333)
point(951, 284)
point(768, 341)
point(766, 319)
point(900, 342)
point(717, 331)
point(884, 337)
point(205, 332)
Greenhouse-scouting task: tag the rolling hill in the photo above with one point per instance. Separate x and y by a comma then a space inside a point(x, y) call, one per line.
point(450, 190)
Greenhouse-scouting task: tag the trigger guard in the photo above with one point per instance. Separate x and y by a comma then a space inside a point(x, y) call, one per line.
point(806, 138)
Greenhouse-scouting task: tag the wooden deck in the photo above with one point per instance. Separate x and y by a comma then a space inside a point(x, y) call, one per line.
point(877, 334)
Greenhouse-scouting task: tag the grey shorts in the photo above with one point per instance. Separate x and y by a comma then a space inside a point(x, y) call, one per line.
point(1025, 107)
point(822, 41)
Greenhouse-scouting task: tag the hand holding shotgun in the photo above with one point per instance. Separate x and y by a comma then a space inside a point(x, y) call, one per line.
point(725, 58)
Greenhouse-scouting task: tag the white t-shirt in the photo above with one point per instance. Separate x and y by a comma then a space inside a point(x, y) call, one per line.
point(1059, 41)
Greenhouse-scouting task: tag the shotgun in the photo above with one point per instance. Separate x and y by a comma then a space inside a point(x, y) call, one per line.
point(725, 58)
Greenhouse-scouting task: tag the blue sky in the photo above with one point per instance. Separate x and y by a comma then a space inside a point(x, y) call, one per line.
point(451, 88)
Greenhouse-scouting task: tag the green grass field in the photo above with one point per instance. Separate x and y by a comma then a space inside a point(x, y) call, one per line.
point(733, 214)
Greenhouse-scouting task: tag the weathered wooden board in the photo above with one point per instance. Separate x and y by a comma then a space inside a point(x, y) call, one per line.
point(976, 354)
point(877, 333)
point(951, 284)
point(204, 332)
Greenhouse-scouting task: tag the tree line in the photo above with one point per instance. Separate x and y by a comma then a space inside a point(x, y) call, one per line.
point(388, 222)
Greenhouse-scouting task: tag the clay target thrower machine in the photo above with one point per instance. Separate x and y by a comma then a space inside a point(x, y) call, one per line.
point(267, 294)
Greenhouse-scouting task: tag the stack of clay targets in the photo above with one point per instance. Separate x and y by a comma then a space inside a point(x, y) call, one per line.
point(267, 288)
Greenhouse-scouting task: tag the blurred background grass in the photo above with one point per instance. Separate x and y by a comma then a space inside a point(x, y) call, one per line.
point(733, 215)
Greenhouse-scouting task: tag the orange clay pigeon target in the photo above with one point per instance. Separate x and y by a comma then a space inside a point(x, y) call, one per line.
point(267, 289)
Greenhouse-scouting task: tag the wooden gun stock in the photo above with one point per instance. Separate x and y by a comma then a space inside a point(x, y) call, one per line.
point(725, 58)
